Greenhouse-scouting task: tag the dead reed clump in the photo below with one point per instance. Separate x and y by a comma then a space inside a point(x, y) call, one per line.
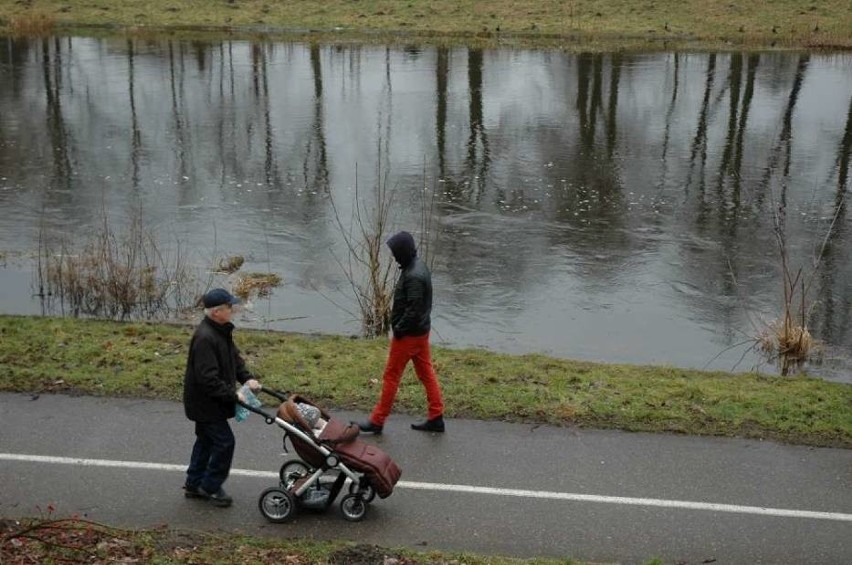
point(790, 343)
point(789, 340)
point(230, 264)
point(117, 276)
point(260, 283)
point(33, 24)
point(784, 339)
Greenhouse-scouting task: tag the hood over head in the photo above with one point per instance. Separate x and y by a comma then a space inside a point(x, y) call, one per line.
point(402, 246)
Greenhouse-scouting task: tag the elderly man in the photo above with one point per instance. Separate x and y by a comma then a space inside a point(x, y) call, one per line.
point(213, 368)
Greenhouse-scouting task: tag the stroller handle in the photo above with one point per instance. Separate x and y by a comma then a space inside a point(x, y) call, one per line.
point(282, 396)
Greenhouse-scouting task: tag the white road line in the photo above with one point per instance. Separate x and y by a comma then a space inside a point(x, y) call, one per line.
point(634, 501)
point(685, 504)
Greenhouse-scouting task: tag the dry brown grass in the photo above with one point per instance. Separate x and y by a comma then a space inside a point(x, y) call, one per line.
point(230, 264)
point(35, 23)
point(256, 283)
point(791, 343)
point(569, 24)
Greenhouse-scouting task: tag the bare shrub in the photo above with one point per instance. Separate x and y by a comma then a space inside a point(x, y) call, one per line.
point(115, 275)
point(368, 264)
point(366, 270)
point(788, 339)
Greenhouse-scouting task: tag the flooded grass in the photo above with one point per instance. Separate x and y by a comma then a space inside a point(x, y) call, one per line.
point(573, 24)
point(229, 265)
point(142, 360)
point(113, 274)
point(260, 284)
point(246, 285)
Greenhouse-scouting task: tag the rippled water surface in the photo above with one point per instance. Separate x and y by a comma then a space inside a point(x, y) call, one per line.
point(604, 207)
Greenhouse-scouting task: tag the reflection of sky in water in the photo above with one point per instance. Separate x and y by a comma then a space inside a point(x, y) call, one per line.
point(587, 206)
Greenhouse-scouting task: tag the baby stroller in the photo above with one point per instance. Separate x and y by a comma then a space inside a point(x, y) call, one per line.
point(327, 459)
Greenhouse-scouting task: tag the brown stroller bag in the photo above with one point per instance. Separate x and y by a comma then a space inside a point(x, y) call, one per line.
point(382, 472)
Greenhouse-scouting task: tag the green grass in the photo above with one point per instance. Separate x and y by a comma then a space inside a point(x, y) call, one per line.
point(570, 24)
point(147, 360)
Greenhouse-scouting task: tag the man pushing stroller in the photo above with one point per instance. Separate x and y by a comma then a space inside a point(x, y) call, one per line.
point(213, 368)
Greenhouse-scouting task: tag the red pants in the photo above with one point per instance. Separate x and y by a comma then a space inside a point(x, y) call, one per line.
point(415, 349)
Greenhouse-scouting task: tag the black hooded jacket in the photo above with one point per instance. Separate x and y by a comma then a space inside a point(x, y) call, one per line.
point(412, 295)
point(213, 368)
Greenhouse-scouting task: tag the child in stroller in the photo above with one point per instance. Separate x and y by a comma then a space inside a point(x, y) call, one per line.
point(330, 453)
point(306, 414)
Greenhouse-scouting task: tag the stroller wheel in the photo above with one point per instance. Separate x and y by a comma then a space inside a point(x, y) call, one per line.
point(367, 492)
point(353, 507)
point(291, 471)
point(277, 505)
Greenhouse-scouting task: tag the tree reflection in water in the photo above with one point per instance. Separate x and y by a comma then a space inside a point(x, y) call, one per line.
point(581, 199)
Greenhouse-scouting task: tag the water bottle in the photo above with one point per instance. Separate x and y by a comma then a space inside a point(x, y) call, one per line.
point(251, 400)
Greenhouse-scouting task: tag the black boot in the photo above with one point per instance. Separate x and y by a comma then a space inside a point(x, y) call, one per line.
point(369, 427)
point(219, 498)
point(433, 425)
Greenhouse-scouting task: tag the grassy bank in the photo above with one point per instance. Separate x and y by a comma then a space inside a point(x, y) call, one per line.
point(570, 24)
point(147, 360)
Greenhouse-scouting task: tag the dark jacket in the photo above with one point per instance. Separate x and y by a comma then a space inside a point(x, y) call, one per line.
point(213, 368)
point(412, 295)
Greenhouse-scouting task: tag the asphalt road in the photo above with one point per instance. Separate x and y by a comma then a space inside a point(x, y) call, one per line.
point(486, 487)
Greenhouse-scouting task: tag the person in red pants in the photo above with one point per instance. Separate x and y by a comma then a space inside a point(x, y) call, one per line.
point(411, 324)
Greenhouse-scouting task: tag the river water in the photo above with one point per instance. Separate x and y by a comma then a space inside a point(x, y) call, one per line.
point(610, 207)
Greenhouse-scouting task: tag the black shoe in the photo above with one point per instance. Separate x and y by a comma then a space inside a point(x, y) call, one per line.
point(433, 425)
point(219, 498)
point(369, 427)
point(193, 492)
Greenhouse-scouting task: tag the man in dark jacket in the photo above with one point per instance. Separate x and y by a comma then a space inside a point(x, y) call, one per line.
point(411, 324)
point(213, 368)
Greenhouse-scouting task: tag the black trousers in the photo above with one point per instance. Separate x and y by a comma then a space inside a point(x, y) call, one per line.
point(212, 455)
